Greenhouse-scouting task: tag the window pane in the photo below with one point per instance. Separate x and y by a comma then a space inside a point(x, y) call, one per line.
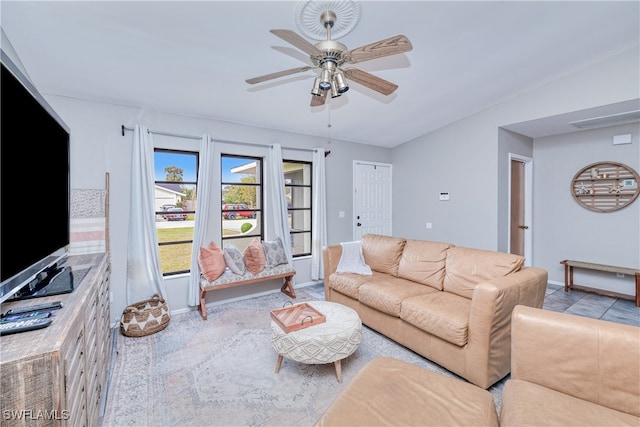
point(175, 257)
point(175, 166)
point(242, 225)
point(301, 243)
point(300, 220)
point(240, 169)
point(297, 173)
point(299, 197)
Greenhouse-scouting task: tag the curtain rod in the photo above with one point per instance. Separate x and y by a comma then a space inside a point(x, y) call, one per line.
point(177, 135)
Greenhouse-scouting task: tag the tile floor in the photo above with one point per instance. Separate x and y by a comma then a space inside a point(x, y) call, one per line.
point(588, 304)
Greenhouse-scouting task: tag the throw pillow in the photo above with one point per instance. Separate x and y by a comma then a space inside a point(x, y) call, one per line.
point(274, 252)
point(254, 257)
point(233, 259)
point(211, 261)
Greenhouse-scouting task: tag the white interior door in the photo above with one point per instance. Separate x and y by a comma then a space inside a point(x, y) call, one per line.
point(371, 199)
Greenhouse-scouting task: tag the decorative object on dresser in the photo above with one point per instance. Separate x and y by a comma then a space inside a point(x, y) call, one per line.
point(605, 186)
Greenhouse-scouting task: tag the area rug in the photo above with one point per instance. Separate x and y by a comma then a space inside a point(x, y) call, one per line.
point(221, 371)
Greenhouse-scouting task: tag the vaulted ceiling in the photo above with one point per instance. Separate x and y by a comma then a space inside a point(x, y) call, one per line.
point(192, 58)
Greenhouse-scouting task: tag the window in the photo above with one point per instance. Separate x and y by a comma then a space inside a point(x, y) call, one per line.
point(297, 182)
point(175, 193)
point(242, 214)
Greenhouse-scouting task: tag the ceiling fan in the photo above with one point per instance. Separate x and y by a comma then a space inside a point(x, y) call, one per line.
point(330, 56)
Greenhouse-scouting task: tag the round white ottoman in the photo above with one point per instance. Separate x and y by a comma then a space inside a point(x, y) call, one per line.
point(329, 342)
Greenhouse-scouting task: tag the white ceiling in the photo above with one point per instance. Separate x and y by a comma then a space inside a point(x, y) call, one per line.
point(192, 58)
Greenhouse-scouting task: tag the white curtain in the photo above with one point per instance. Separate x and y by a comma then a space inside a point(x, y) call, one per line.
point(278, 199)
point(203, 213)
point(319, 214)
point(144, 276)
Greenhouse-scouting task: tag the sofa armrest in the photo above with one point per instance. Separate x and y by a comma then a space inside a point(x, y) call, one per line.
point(331, 258)
point(490, 320)
point(590, 359)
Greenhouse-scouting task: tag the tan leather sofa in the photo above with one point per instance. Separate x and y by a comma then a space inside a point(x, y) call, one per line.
point(567, 370)
point(571, 370)
point(449, 304)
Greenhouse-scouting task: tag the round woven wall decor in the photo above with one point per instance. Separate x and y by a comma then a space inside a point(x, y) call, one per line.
point(605, 186)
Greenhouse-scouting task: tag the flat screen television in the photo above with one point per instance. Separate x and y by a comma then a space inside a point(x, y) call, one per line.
point(34, 183)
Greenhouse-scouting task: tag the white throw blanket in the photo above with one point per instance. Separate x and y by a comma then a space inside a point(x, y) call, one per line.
point(352, 260)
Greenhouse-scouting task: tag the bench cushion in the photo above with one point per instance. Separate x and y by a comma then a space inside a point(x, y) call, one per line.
point(230, 277)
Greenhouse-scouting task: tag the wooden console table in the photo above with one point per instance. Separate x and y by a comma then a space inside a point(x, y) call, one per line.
point(568, 278)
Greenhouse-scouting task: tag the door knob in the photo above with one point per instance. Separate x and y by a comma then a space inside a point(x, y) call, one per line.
point(358, 224)
point(524, 227)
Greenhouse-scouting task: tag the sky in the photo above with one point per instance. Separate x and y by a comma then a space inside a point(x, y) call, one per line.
point(187, 162)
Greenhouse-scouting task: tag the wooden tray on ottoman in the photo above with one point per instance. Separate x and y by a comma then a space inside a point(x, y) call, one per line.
point(298, 316)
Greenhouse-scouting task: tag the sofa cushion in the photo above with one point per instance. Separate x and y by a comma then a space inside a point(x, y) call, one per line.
point(466, 267)
point(387, 295)
point(348, 283)
point(424, 262)
point(525, 403)
point(382, 253)
point(439, 313)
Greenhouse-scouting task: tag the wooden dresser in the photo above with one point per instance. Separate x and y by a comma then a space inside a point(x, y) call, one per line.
point(56, 376)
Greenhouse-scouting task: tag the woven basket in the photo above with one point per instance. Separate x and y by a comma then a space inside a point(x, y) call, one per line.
point(145, 317)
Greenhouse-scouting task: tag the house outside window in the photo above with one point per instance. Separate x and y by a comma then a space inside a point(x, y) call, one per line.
point(175, 194)
point(298, 189)
point(242, 196)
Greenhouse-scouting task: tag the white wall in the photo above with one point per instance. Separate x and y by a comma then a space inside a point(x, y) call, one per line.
point(566, 230)
point(467, 159)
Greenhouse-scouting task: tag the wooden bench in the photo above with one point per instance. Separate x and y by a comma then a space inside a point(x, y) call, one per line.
point(568, 278)
point(236, 280)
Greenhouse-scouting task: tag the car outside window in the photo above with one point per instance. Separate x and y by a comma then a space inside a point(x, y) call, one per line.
point(241, 208)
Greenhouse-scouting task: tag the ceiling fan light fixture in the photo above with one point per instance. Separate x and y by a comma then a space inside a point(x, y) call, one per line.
point(325, 79)
point(316, 87)
point(340, 82)
point(334, 90)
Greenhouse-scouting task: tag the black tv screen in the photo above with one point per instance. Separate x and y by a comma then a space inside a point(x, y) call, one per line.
point(34, 182)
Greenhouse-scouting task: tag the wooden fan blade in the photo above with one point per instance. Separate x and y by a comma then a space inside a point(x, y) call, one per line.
point(369, 80)
point(319, 100)
point(294, 39)
point(277, 74)
point(391, 46)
